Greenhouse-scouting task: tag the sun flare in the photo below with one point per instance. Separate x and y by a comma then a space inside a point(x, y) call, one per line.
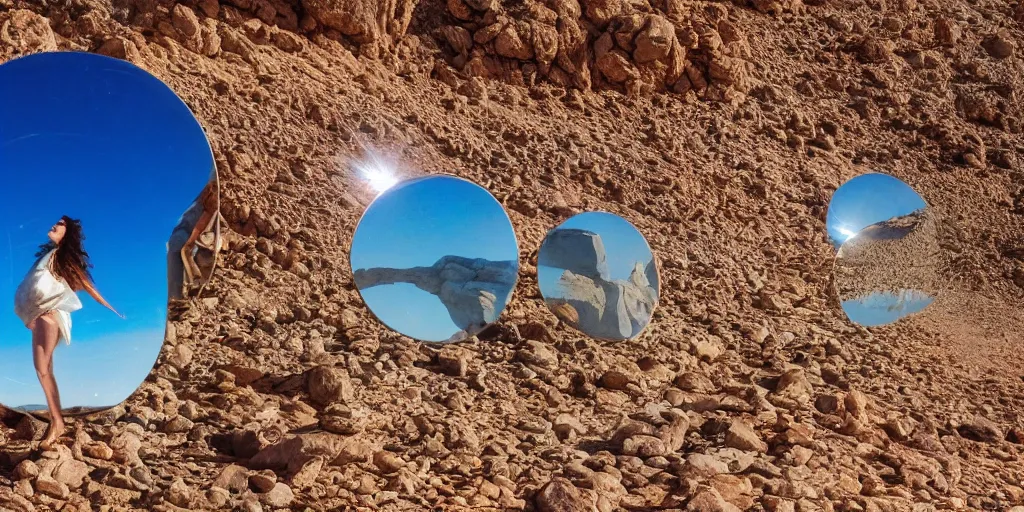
point(376, 171)
point(846, 232)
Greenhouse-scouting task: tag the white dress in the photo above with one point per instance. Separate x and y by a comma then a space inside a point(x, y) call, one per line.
point(42, 291)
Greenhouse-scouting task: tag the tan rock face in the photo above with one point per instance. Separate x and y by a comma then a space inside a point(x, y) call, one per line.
point(24, 32)
point(629, 48)
point(363, 21)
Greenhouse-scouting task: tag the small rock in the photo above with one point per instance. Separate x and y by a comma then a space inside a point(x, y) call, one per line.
point(674, 434)
point(615, 379)
point(366, 486)
point(644, 446)
point(709, 500)
point(251, 503)
point(211, 8)
point(801, 455)
point(185, 20)
point(289, 42)
point(675, 397)
point(179, 494)
point(872, 485)
point(826, 404)
point(981, 429)
point(263, 481)
point(404, 482)
point(25, 470)
point(708, 349)
point(71, 473)
point(217, 497)
point(233, 478)
point(388, 462)
point(856, 404)
point(142, 475)
point(339, 419)
point(566, 425)
point(793, 385)
point(607, 486)
point(742, 437)
point(999, 46)
point(736, 490)
point(655, 41)
point(695, 382)
point(534, 425)
point(179, 356)
point(308, 474)
point(559, 495)
point(126, 447)
point(488, 489)
point(327, 385)
point(899, 429)
point(29, 429)
point(454, 361)
point(538, 354)
point(777, 504)
point(947, 32)
point(52, 488)
point(178, 424)
point(707, 465)
point(24, 488)
point(280, 496)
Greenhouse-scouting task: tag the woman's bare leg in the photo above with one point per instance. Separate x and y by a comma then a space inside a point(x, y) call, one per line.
point(44, 340)
point(56, 388)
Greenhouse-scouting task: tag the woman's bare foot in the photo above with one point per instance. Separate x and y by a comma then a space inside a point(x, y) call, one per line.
point(52, 435)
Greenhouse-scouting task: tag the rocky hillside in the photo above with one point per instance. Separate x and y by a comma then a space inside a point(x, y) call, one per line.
point(902, 253)
point(719, 129)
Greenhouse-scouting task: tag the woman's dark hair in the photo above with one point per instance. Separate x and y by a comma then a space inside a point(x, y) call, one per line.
point(70, 262)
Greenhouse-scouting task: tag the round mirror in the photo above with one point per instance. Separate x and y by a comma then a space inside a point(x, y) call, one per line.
point(887, 261)
point(597, 274)
point(435, 258)
point(100, 161)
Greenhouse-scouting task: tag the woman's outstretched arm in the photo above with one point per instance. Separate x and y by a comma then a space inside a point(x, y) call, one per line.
point(99, 298)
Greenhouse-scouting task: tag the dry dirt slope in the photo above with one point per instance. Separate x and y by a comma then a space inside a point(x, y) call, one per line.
point(719, 129)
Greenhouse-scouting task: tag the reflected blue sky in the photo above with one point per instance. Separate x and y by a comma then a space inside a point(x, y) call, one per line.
point(865, 200)
point(102, 141)
point(414, 224)
point(880, 308)
point(624, 244)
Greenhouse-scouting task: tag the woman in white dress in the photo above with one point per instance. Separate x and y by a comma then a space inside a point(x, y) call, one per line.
point(45, 300)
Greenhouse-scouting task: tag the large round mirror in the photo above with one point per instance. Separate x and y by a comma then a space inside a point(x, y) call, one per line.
point(100, 161)
point(598, 274)
point(887, 261)
point(435, 258)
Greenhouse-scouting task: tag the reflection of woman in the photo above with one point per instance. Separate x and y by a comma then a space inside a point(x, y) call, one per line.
point(181, 268)
point(45, 300)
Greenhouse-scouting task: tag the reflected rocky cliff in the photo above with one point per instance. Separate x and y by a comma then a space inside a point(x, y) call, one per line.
point(589, 299)
point(474, 291)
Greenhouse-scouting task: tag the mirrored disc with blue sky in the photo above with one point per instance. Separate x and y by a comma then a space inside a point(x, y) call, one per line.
point(865, 200)
point(435, 258)
point(886, 245)
point(102, 141)
point(597, 273)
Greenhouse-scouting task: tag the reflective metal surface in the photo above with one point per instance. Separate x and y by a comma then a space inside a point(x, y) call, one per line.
point(435, 258)
point(887, 257)
point(100, 160)
point(597, 274)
